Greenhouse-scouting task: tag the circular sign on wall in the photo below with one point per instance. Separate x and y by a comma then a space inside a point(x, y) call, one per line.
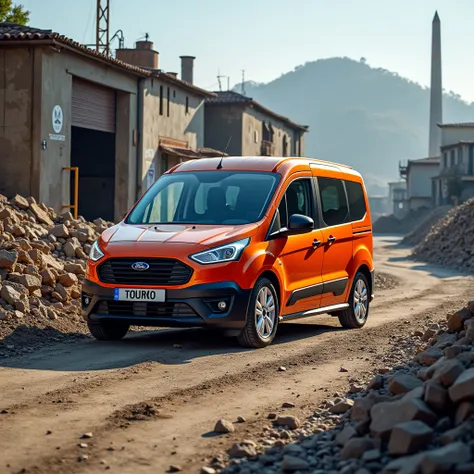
point(57, 119)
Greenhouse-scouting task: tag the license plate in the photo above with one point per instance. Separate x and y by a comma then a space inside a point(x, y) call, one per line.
point(137, 294)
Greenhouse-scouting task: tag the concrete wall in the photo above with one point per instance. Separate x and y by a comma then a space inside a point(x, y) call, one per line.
point(252, 122)
point(58, 70)
point(419, 180)
point(174, 123)
point(222, 122)
point(461, 155)
point(17, 68)
point(419, 202)
point(452, 135)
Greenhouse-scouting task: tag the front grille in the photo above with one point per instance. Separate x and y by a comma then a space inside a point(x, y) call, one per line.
point(147, 309)
point(162, 272)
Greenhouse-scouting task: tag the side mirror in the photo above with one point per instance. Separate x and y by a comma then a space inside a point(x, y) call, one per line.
point(299, 224)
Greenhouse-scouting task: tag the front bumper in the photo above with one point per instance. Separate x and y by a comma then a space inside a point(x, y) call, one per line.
point(186, 307)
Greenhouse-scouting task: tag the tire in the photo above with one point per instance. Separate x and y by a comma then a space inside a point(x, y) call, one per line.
point(108, 331)
point(255, 335)
point(355, 316)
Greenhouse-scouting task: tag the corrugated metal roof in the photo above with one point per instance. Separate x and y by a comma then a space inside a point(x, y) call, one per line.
point(12, 32)
point(231, 97)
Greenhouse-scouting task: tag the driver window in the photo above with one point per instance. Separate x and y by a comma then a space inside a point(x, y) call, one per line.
point(297, 200)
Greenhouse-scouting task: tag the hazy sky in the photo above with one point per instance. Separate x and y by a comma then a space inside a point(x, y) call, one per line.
point(269, 37)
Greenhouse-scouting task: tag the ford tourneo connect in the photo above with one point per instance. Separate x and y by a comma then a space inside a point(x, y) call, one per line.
point(239, 244)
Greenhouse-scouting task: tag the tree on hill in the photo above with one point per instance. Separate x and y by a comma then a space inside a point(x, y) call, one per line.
point(368, 118)
point(13, 13)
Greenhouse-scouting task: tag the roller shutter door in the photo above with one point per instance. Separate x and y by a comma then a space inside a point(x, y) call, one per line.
point(93, 106)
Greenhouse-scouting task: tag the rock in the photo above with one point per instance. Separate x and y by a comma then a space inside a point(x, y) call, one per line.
point(48, 277)
point(430, 356)
point(345, 435)
point(386, 415)
point(409, 437)
point(456, 321)
point(376, 383)
point(288, 405)
point(20, 202)
point(463, 387)
point(71, 246)
point(403, 383)
point(9, 294)
point(292, 464)
point(30, 282)
point(224, 426)
point(60, 231)
point(244, 449)
point(208, 470)
point(361, 409)
point(448, 372)
point(67, 279)
point(87, 435)
point(8, 259)
point(355, 448)
point(435, 395)
point(174, 468)
point(41, 215)
point(292, 422)
point(405, 465)
point(282, 369)
point(445, 458)
point(455, 434)
point(464, 411)
point(241, 419)
point(342, 406)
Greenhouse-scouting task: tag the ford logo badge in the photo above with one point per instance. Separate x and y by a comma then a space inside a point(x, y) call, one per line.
point(140, 266)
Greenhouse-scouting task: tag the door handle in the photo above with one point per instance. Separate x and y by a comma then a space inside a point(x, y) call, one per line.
point(316, 243)
point(331, 239)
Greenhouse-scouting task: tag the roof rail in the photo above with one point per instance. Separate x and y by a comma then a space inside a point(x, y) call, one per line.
point(316, 160)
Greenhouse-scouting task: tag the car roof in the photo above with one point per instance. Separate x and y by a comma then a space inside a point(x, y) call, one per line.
point(260, 163)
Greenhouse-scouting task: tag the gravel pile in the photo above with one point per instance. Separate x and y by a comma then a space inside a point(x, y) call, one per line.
point(419, 233)
point(450, 241)
point(415, 417)
point(42, 264)
point(391, 225)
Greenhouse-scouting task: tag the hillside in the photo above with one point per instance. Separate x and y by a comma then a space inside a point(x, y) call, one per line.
point(368, 118)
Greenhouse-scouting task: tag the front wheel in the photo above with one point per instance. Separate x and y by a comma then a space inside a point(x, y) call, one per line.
point(262, 316)
point(355, 316)
point(106, 331)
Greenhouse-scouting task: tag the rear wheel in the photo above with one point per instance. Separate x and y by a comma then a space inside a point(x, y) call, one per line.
point(355, 316)
point(262, 316)
point(110, 331)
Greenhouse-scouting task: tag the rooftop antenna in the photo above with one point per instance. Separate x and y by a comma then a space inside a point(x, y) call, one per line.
point(219, 166)
point(102, 42)
point(121, 38)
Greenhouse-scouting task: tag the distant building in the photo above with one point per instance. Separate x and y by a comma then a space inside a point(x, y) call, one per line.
point(255, 130)
point(454, 180)
point(397, 198)
point(418, 175)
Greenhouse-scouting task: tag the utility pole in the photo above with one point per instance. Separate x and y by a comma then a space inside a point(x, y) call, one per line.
point(102, 27)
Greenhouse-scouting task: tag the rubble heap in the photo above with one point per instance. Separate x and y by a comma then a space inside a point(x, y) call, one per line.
point(392, 225)
point(419, 233)
point(42, 263)
point(450, 241)
point(414, 418)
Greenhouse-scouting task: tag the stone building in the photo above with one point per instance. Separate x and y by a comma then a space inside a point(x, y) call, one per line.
point(255, 130)
point(121, 121)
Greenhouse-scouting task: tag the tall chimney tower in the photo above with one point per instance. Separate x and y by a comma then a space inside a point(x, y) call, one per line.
point(436, 90)
point(187, 68)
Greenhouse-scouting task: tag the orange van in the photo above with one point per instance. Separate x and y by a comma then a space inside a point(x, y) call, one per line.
point(239, 244)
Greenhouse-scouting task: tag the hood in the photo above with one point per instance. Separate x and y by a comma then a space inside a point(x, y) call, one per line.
point(204, 235)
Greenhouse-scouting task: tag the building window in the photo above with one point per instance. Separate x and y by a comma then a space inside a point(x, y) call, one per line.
point(168, 102)
point(452, 163)
point(445, 160)
point(187, 105)
point(255, 136)
point(161, 100)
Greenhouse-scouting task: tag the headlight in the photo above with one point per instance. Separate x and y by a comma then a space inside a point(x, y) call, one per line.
point(95, 253)
point(226, 253)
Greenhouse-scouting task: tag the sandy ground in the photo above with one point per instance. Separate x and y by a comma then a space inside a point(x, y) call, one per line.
point(151, 400)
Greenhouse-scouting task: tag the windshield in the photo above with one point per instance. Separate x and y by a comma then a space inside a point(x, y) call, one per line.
point(206, 197)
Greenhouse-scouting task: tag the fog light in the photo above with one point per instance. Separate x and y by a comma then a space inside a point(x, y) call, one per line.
point(222, 305)
point(87, 300)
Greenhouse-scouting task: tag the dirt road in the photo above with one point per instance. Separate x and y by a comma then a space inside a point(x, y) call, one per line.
point(152, 400)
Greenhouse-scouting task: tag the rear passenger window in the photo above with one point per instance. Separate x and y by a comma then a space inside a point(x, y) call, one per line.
point(355, 196)
point(333, 201)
